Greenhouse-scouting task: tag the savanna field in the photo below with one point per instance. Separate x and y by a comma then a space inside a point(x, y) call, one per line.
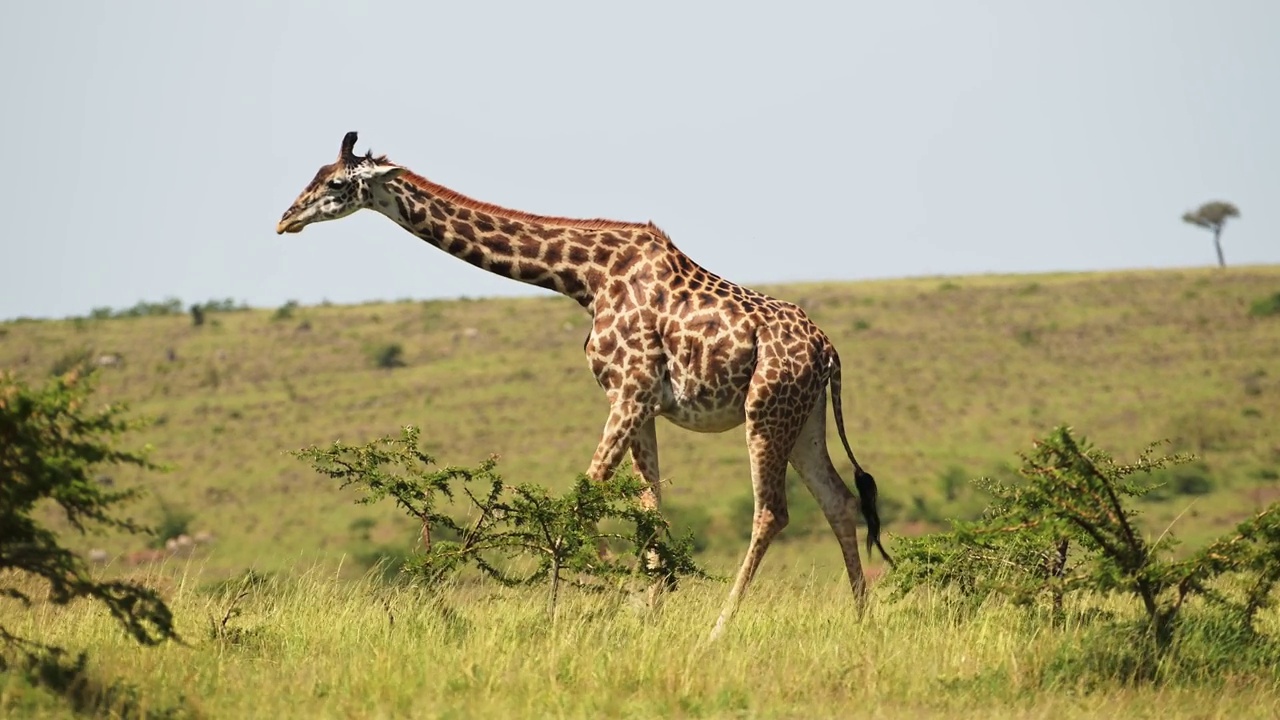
point(945, 379)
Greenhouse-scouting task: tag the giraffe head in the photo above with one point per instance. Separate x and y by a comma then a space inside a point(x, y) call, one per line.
point(339, 188)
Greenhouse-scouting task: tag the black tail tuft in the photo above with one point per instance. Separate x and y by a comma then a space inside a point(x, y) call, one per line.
point(862, 479)
point(867, 492)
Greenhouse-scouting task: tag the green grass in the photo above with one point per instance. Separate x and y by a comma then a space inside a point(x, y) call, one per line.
point(313, 646)
point(945, 378)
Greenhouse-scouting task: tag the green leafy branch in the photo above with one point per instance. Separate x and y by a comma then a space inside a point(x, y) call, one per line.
point(518, 535)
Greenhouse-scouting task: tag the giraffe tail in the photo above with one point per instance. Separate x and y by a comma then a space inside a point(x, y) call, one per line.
point(862, 480)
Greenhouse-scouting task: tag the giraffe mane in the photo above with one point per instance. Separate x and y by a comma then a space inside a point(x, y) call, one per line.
point(453, 196)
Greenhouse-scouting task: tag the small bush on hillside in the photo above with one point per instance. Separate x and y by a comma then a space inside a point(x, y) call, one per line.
point(1253, 382)
point(1191, 478)
point(1267, 474)
point(169, 306)
point(952, 482)
point(1208, 430)
point(955, 500)
point(362, 527)
point(691, 521)
point(921, 510)
point(52, 449)
point(388, 561)
point(1064, 527)
point(1027, 337)
point(1266, 307)
point(388, 355)
point(174, 522)
point(226, 305)
point(212, 377)
point(200, 310)
point(79, 360)
point(285, 311)
point(515, 534)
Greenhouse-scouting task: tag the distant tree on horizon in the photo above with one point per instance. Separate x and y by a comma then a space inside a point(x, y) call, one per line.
point(1213, 216)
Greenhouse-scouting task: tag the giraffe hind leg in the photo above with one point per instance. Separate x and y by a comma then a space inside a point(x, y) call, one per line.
point(810, 459)
point(770, 436)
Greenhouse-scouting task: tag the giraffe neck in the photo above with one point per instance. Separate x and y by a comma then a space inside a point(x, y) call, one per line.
point(571, 257)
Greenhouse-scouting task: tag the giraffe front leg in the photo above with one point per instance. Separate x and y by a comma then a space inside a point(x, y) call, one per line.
point(644, 457)
point(620, 430)
point(625, 423)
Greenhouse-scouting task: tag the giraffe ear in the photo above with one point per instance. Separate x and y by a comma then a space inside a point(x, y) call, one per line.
point(386, 173)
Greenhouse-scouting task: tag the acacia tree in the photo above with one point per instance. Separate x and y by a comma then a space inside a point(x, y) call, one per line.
point(1213, 216)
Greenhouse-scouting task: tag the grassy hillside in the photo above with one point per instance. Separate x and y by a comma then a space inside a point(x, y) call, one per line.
point(944, 379)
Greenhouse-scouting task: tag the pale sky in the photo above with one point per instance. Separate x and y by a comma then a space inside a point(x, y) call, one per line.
point(153, 144)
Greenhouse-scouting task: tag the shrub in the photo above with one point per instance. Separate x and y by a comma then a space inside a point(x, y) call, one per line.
point(1266, 307)
point(225, 305)
point(362, 527)
point(1191, 478)
point(952, 482)
point(388, 355)
point(285, 311)
point(1064, 526)
point(169, 306)
point(174, 521)
point(689, 520)
point(1208, 430)
point(79, 360)
point(51, 450)
point(1027, 337)
point(514, 534)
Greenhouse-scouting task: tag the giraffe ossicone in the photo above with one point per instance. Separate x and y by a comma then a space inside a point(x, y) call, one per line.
point(668, 339)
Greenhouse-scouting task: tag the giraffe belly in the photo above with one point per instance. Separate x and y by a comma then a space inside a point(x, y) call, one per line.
point(702, 409)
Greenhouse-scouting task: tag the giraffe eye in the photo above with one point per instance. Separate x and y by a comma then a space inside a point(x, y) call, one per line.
point(337, 183)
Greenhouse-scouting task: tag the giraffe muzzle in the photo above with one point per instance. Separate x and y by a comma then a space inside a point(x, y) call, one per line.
point(291, 225)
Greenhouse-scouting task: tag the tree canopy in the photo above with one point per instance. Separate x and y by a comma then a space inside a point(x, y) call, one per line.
point(1213, 216)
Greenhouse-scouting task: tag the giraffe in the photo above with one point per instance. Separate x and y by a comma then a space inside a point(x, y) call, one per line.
point(668, 339)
